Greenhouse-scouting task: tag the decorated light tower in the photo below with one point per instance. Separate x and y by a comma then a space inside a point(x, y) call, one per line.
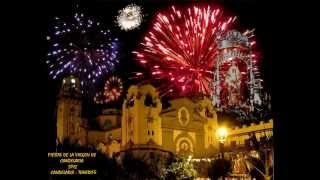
point(191, 50)
point(235, 83)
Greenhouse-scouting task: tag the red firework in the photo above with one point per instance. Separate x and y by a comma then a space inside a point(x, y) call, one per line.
point(180, 49)
point(113, 89)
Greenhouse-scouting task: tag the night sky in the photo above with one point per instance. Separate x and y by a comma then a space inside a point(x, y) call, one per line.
point(250, 13)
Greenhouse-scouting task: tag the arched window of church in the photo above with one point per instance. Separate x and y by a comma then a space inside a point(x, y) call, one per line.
point(72, 111)
point(184, 148)
point(208, 113)
point(152, 133)
point(184, 115)
point(130, 102)
point(148, 132)
point(148, 100)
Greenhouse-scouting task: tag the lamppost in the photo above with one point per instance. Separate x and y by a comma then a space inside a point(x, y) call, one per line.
point(222, 136)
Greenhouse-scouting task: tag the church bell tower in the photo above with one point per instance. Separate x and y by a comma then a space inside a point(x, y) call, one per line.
point(69, 109)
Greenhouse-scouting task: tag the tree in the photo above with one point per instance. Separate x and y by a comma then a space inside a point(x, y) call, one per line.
point(180, 169)
point(219, 168)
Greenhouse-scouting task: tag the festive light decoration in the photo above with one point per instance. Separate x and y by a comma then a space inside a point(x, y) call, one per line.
point(113, 89)
point(80, 46)
point(129, 17)
point(236, 85)
point(180, 49)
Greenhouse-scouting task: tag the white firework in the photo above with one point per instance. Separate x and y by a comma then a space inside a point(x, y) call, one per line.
point(129, 17)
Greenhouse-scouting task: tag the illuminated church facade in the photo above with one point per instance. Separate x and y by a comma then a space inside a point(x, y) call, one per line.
point(186, 127)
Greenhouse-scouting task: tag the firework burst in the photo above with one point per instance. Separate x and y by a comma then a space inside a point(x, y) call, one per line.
point(129, 17)
point(99, 98)
point(81, 47)
point(113, 89)
point(180, 49)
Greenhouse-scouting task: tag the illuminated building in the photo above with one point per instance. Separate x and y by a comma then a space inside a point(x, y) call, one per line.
point(187, 126)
